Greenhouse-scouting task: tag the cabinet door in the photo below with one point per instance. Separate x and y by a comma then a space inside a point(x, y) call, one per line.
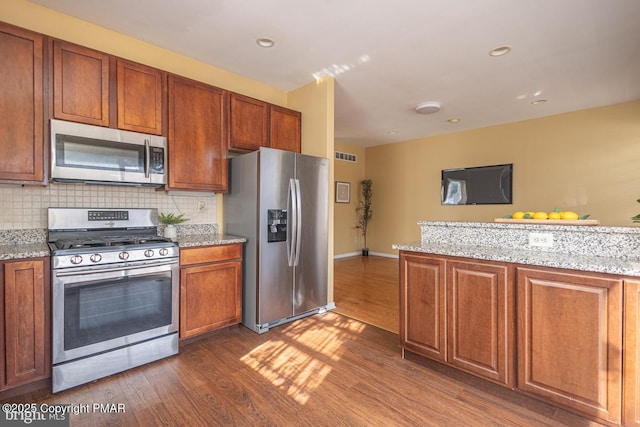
point(422, 305)
point(631, 405)
point(248, 124)
point(197, 130)
point(285, 129)
point(26, 321)
point(21, 106)
point(80, 84)
point(140, 97)
point(480, 319)
point(210, 297)
point(570, 340)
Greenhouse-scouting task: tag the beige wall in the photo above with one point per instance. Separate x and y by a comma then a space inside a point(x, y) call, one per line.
point(585, 161)
point(348, 239)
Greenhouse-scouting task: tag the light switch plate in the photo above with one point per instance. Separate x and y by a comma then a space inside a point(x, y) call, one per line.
point(544, 240)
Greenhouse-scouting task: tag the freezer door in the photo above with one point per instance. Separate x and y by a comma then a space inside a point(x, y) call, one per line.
point(275, 282)
point(311, 281)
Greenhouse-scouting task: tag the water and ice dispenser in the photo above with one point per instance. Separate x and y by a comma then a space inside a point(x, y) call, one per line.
point(277, 225)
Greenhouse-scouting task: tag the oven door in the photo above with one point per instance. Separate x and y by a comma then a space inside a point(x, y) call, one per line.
point(96, 311)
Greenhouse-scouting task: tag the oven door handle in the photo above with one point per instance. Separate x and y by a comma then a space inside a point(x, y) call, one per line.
point(82, 272)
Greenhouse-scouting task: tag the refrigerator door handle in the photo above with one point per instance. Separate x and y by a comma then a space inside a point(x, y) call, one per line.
point(298, 223)
point(292, 230)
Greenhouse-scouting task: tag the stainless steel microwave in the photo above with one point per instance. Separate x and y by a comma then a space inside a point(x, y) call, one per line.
point(99, 155)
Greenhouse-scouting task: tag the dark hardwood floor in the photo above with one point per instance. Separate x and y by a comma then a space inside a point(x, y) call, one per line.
point(323, 370)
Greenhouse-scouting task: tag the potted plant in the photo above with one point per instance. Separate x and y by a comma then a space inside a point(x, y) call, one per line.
point(169, 221)
point(364, 211)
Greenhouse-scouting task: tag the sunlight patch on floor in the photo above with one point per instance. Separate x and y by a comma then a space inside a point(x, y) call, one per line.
point(301, 360)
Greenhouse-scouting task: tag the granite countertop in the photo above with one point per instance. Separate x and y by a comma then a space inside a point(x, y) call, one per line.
point(19, 244)
point(23, 250)
point(213, 239)
point(622, 266)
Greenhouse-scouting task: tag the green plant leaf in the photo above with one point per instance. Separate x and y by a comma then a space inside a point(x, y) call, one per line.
point(585, 216)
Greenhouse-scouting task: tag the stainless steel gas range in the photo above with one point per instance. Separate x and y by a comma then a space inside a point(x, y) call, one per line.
point(115, 292)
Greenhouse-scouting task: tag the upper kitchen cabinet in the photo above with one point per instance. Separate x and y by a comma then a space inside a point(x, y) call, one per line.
point(285, 129)
point(197, 136)
point(21, 106)
point(84, 90)
point(248, 123)
point(80, 84)
point(140, 97)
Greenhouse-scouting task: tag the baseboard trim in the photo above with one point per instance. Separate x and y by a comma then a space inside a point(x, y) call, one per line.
point(352, 254)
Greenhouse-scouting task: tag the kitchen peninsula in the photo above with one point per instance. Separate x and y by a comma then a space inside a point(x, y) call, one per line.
point(546, 321)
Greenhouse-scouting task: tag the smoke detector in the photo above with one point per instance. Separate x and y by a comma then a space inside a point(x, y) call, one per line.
point(428, 107)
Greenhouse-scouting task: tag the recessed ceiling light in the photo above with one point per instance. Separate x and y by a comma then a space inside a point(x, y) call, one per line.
point(500, 50)
point(538, 101)
point(392, 132)
point(265, 42)
point(428, 107)
point(454, 120)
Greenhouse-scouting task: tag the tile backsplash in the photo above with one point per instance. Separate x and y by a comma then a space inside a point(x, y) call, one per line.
point(26, 207)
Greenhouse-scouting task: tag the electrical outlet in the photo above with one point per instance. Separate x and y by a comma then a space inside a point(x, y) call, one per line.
point(200, 206)
point(544, 240)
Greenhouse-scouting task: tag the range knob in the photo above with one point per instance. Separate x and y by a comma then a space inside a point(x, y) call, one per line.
point(95, 258)
point(123, 256)
point(164, 251)
point(148, 253)
point(76, 259)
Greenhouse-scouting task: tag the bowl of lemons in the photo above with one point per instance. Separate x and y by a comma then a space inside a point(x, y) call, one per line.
point(557, 216)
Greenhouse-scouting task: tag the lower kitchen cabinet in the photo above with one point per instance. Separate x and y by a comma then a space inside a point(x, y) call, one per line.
point(570, 340)
point(210, 288)
point(25, 342)
point(459, 313)
point(422, 306)
point(631, 403)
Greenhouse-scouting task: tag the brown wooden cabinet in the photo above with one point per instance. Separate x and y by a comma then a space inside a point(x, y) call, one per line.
point(458, 312)
point(197, 136)
point(248, 123)
point(480, 317)
point(140, 97)
point(21, 105)
point(285, 129)
point(95, 88)
point(422, 305)
point(81, 86)
point(570, 339)
point(25, 332)
point(210, 288)
point(631, 403)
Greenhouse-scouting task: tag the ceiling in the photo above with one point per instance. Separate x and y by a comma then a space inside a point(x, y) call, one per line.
point(389, 56)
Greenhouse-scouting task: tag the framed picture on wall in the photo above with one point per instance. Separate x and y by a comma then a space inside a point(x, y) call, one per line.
point(343, 191)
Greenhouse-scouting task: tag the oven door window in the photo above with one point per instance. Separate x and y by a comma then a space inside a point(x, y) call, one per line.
point(80, 152)
point(116, 308)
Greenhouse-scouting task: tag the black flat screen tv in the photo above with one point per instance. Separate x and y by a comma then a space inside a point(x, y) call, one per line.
point(484, 185)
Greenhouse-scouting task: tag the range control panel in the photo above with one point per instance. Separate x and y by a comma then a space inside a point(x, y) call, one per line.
point(108, 215)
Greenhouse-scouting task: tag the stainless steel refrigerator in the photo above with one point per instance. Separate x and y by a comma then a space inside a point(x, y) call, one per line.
point(279, 201)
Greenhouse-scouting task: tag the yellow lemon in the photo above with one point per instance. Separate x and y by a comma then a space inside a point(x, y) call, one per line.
point(569, 215)
point(518, 215)
point(554, 215)
point(540, 215)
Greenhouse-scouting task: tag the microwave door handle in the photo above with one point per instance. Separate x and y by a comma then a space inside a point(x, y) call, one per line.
point(147, 158)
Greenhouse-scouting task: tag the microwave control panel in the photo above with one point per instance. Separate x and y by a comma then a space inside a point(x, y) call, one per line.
point(156, 165)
